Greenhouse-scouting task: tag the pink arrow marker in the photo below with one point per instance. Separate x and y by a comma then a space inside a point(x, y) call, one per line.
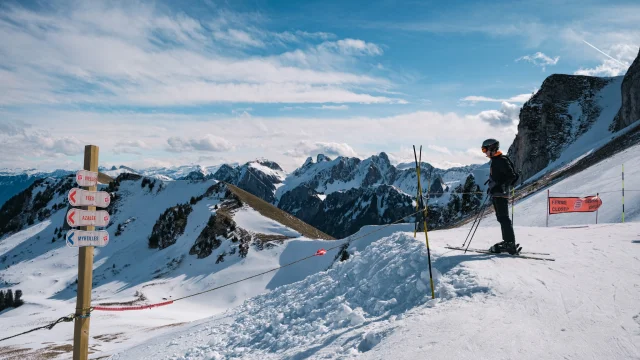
point(71, 217)
point(72, 197)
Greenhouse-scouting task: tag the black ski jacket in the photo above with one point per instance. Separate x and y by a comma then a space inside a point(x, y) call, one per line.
point(501, 175)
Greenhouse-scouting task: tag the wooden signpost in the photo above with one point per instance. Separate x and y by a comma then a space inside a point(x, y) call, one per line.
point(86, 239)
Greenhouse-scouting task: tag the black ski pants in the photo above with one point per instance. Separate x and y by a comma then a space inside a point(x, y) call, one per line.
point(501, 206)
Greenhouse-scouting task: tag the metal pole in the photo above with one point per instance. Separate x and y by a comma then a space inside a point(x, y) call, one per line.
point(623, 193)
point(480, 211)
point(597, 197)
point(548, 208)
point(85, 273)
point(474, 231)
point(513, 200)
point(415, 229)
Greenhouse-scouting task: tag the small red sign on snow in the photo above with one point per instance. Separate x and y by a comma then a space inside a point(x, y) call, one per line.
point(321, 252)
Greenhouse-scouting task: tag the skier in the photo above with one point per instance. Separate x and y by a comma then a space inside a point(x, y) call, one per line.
point(501, 177)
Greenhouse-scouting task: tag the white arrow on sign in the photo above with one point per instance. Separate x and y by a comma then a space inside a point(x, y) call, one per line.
point(86, 178)
point(79, 197)
point(77, 217)
point(79, 238)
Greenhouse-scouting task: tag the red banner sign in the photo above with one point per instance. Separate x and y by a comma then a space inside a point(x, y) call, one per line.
point(559, 205)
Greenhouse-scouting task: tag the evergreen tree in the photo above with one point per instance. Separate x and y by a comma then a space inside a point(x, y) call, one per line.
point(221, 257)
point(8, 298)
point(467, 196)
point(18, 300)
point(2, 307)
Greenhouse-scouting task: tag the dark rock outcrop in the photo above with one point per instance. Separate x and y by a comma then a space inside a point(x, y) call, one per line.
point(564, 108)
point(344, 213)
point(630, 109)
point(219, 228)
point(251, 179)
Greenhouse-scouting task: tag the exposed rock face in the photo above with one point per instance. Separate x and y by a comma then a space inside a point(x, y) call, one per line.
point(564, 108)
point(250, 179)
point(194, 176)
point(344, 213)
point(303, 203)
point(220, 227)
point(630, 109)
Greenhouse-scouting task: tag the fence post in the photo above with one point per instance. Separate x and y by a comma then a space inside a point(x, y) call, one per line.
point(623, 193)
point(548, 208)
point(597, 197)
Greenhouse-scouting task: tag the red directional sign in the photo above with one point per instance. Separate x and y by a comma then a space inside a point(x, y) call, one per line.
point(77, 217)
point(86, 178)
point(79, 197)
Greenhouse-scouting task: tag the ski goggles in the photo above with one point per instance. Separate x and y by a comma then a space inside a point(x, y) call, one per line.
point(484, 149)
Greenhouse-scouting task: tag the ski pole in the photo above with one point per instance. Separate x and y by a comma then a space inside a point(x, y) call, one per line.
point(474, 231)
point(474, 221)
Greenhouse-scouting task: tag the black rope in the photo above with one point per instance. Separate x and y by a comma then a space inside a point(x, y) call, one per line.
point(68, 318)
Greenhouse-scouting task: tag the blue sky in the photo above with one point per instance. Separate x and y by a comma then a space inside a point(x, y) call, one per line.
point(186, 82)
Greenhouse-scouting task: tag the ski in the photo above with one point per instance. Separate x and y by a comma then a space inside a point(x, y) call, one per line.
point(519, 252)
point(499, 254)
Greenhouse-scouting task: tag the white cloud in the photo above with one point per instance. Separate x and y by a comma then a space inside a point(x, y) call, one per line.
point(133, 143)
point(54, 146)
point(269, 137)
point(624, 55)
point(136, 54)
point(507, 116)
point(207, 143)
point(331, 149)
point(237, 38)
point(12, 128)
point(352, 47)
point(540, 59)
point(522, 98)
point(440, 149)
point(332, 107)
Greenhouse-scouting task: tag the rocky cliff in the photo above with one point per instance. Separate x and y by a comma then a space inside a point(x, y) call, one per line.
point(565, 107)
point(630, 109)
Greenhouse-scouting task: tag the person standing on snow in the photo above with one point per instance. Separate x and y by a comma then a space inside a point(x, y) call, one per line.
point(501, 177)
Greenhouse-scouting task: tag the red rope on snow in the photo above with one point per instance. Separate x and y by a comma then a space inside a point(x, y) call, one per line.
point(141, 307)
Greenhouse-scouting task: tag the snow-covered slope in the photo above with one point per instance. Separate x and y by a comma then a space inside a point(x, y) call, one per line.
point(604, 178)
point(233, 240)
point(377, 304)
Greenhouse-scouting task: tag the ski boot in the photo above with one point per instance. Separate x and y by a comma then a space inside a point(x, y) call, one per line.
point(509, 247)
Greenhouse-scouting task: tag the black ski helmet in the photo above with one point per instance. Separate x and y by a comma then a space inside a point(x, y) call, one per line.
point(490, 145)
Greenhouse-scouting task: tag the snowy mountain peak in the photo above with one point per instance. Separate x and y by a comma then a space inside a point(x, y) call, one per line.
point(321, 158)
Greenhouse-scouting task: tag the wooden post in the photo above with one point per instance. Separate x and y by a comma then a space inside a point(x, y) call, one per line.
point(424, 219)
point(85, 273)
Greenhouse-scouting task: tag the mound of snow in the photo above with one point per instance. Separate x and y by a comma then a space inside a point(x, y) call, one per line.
point(376, 285)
